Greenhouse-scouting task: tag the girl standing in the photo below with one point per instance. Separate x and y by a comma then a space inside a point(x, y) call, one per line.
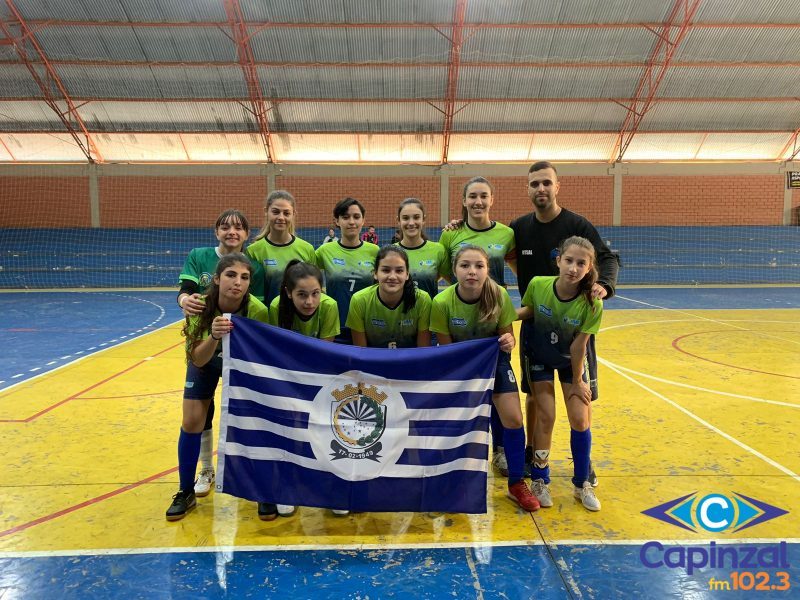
point(276, 243)
point(231, 231)
point(476, 307)
point(427, 260)
point(228, 293)
point(393, 313)
point(564, 315)
point(349, 263)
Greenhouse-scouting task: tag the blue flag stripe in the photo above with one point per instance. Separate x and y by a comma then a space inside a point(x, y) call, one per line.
point(446, 413)
point(294, 431)
point(444, 443)
point(430, 399)
point(247, 408)
point(417, 456)
point(277, 387)
point(266, 439)
point(456, 491)
point(449, 428)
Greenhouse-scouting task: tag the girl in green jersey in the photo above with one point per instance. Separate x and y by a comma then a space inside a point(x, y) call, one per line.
point(427, 260)
point(393, 313)
point(476, 307)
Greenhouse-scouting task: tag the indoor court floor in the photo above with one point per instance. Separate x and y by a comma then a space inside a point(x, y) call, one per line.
point(699, 394)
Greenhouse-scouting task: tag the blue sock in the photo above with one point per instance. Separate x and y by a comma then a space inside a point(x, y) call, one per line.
point(497, 429)
point(514, 444)
point(544, 474)
point(188, 454)
point(581, 444)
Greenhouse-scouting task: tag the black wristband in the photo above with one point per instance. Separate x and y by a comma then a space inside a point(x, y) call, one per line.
point(215, 338)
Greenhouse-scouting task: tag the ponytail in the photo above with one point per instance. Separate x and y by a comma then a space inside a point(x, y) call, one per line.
point(490, 301)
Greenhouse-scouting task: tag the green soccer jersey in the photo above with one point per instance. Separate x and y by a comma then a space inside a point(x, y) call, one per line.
point(458, 319)
point(497, 240)
point(427, 263)
point(323, 324)
point(275, 257)
point(255, 310)
point(388, 327)
point(347, 270)
point(557, 322)
point(201, 264)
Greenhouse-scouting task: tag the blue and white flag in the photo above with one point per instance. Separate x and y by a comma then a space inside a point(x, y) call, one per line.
point(311, 423)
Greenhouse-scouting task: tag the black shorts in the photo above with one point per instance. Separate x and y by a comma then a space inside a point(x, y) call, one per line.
point(591, 364)
point(201, 382)
point(504, 380)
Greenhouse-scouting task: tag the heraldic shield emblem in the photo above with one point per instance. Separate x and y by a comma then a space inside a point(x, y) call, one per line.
point(358, 420)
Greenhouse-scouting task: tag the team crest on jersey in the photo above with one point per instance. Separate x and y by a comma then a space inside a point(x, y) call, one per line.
point(494, 246)
point(366, 263)
point(547, 312)
point(339, 261)
point(406, 323)
point(358, 420)
point(205, 279)
point(426, 263)
point(270, 262)
point(379, 322)
point(575, 322)
point(458, 322)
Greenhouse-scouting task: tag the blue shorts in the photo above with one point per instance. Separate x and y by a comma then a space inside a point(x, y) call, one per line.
point(504, 380)
point(201, 382)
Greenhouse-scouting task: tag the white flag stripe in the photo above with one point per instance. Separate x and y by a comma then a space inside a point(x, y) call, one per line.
point(280, 402)
point(405, 471)
point(257, 424)
point(449, 414)
point(401, 385)
point(426, 442)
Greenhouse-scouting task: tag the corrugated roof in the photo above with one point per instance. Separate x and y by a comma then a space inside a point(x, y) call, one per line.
point(566, 11)
point(352, 11)
point(731, 82)
point(121, 10)
point(35, 147)
point(29, 116)
point(742, 146)
point(760, 11)
point(362, 117)
point(740, 45)
point(722, 116)
point(168, 116)
point(536, 116)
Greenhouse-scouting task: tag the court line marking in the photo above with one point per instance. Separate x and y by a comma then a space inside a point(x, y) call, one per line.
point(72, 362)
point(476, 581)
point(76, 396)
point(702, 421)
point(622, 325)
point(702, 389)
point(389, 547)
point(677, 347)
point(702, 318)
point(83, 353)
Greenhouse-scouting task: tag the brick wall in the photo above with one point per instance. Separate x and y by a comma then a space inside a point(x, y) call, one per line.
point(44, 202)
point(703, 200)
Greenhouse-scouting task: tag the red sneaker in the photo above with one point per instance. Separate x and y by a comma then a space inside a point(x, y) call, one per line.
point(520, 494)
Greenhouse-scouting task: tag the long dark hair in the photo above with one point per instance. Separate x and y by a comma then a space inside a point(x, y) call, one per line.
point(193, 330)
point(294, 272)
point(585, 284)
point(479, 179)
point(416, 202)
point(489, 302)
point(409, 289)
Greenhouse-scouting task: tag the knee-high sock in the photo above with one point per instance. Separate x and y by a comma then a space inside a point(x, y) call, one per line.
point(514, 444)
point(188, 451)
point(209, 416)
point(207, 449)
point(497, 429)
point(580, 442)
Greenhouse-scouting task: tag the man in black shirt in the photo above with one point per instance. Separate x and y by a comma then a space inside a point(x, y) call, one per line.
point(537, 236)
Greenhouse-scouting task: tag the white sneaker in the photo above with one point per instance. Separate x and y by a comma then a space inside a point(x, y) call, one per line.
point(286, 510)
point(202, 486)
point(587, 497)
point(340, 513)
point(499, 461)
point(542, 492)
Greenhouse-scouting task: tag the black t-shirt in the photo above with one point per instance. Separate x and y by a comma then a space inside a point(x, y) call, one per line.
point(537, 247)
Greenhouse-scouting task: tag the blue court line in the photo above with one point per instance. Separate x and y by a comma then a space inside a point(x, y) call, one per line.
point(49, 329)
point(567, 571)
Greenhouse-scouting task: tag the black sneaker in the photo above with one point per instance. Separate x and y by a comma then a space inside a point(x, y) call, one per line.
point(182, 502)
point(267, 511)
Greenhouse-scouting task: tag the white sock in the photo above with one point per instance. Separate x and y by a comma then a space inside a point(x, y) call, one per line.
point(207, 449)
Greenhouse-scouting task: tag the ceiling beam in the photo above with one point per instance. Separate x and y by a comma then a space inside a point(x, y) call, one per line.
point(398, 25)
point(495, 132)
point(667, 40)
point(246, 58)
point(654, 64)
point(456, 37)
point(791, 143)
point(53, 90)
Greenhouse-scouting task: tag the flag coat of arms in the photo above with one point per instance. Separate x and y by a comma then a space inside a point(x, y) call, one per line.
point(311, 423)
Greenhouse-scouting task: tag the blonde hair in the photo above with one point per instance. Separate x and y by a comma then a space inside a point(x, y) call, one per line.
point(491, 298)
point(273, 196)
